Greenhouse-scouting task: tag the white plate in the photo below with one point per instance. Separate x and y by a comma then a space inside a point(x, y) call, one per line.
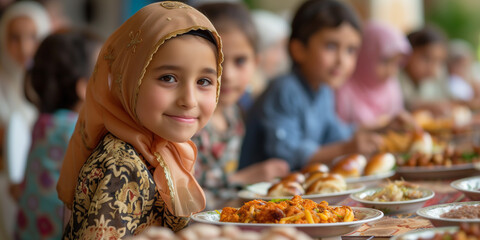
point(433, 213)
point(320, 230)
point(437, 172)
point(371, 179)
point(469, 186)
point(259, 191)
point(424, 233)
point(409, 206)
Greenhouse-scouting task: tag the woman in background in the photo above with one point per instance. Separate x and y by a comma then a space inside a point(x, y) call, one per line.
point(372, 96)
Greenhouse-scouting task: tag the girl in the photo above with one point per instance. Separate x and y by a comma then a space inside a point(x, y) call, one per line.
point(129, 163)
point(59, 76)
point(22, 26)
point(219, 142)
point(373, 96)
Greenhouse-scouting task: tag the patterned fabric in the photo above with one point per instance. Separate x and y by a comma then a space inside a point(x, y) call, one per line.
point(40, 211)
point(218, 156)
point(116, 195)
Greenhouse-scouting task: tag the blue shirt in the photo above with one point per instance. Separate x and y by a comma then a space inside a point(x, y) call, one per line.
point(291, 121)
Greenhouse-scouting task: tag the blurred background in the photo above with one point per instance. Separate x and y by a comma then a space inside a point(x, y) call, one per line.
point(458, 18)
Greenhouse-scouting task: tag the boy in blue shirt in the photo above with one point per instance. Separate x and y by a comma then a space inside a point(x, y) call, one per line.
point(295, 119)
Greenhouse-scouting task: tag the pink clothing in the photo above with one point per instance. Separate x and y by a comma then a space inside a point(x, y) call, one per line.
point(365, 98)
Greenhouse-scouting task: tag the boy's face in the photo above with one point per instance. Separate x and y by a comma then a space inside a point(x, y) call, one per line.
point(238, 66)
point(426, 62)
point(22, 40)
point(329, 56)
point(178, 93)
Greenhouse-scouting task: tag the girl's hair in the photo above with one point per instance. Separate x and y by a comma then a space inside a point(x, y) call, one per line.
point(226, 15)
point(61, 60)
point(425, 36)
point(315, 15)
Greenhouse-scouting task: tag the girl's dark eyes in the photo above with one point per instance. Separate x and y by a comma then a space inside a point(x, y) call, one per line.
point(204, 82)
point(239, 61)
point(167, 78)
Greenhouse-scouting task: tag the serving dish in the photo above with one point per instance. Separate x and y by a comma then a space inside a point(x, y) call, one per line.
point(259, 191)
point(424, 233)
point(395, 206)
point(469, 186)
point(437, 172)
point(319, 230)
point(433, 213)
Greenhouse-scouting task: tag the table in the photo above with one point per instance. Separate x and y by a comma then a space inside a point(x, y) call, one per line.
point(398, 224)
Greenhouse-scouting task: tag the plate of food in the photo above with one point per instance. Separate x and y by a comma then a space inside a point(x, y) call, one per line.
point(452, 214)
point(469, 186)
point(315, 219)
point(355, 168)
point(260, 191)
point(465, 231)
point(396, 197)
point(438, 172)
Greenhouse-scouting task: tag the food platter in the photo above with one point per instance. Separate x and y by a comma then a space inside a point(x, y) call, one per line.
point(438, 172)
point(259, 191)
point(395, 206)
point(424, 233)
point(469, 186)
point(433, 213)
point(319, 230)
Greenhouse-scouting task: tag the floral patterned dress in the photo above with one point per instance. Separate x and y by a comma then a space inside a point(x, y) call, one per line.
point(116, 196)
point(40, 213)
point(218, 156)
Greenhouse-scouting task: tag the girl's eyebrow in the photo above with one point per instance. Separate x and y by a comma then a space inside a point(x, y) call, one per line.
point(206, 70)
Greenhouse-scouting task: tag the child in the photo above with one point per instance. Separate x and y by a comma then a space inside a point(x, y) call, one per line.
point(422, 87)
point(462, 84)
point(295, 118)
point(22, 26)
point(129, 163)
point(219, 142)
point(372, 97)
point(62, 66)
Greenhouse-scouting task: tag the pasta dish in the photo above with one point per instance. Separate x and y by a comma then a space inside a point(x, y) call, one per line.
point(296, 210)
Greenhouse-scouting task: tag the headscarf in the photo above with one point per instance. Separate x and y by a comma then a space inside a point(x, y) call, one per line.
point(11, 73)
point(364, 98)
point(110, 105)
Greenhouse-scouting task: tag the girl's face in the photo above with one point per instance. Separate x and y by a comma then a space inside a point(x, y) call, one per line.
point(238, 66)
point(22, 40)
point(426, 62)
point(330, 55)
point(178, 93)
point(387, 67)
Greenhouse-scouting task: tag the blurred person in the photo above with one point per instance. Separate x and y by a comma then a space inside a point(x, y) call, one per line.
point(55, 8)
point(295, 118)
point(423, 86)
point(461, 82)
point(220, 140)
point(372, 97)
point(273, 61)
point(62, 65)
point(22, 26)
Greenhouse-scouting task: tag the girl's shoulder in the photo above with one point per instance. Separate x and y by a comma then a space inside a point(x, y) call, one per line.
point(114, 152)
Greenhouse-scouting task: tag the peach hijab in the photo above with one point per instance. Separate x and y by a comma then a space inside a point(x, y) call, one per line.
point(110, 105)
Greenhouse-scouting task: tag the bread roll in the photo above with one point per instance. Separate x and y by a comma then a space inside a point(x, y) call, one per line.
point(315, 167)
point(350, 166)
point(331, 183)
point(422, 143)
point(313, 177)
point(285, 189)
point(380, 163)
point(294, 177)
